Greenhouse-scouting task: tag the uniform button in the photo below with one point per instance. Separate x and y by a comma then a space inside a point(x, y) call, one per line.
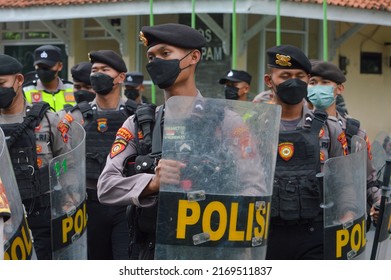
point(312, 229)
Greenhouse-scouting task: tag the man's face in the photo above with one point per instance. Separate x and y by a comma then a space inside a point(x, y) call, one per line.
point(56, 67)
point(82, 86)
point(8, 81)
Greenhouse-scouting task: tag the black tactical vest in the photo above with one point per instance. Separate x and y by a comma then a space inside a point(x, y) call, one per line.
point(32, 180)
point(296, 190)
point(101, 129)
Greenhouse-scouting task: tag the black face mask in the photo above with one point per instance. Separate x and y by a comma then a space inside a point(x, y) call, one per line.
point(46, 75)
point(83, 95)
point(165, 72)
point(6, 97)
point(292, 91)
point(131, 93)
point(102, 83)
point(231, 93)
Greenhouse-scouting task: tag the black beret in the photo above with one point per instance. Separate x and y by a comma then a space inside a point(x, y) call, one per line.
point(47, 54)
point(134, 79)
point(327, 71)
point(174, 34)
point(9, 65)
point(288, 57)
point(110, 58)
point(81, 72)
point(236, 76)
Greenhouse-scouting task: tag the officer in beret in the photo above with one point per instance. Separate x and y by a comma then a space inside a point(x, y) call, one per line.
point(49, 87)
point(81, 82)
point(134, 87)
point(173, 51)
point(107, 230)
point(296, 229)
point(326, 83)
point(236, 84)
point(30, 127)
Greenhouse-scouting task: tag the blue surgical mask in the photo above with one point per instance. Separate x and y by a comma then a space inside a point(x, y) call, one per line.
point(321, 96)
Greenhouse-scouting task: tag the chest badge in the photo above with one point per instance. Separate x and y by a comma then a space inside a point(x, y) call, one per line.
point(102, 125)
point(286, 150)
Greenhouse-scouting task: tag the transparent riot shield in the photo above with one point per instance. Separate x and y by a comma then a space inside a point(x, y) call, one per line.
point(344, 204)
point(381, 150)
point(18, 244)
point(220, 209)
point(68, 199)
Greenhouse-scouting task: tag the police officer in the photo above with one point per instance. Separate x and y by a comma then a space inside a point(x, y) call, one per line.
point(174, 50)
point(82, 89)
point(107, 231)
point(33, 140)
point(305, 142)
point(326, 83)
point(134, 87)
point(5, 213)
point(49, 87)
point(236, 84)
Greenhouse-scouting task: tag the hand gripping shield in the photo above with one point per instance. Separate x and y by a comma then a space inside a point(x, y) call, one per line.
point(18, 243)
point(220, 209)
point(68, 199)
point(344, 204)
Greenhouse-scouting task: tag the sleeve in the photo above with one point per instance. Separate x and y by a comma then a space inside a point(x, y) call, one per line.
point(373, 188)
point(338, 147)
point(113, 187)
point(60, 130)
point(247, 158)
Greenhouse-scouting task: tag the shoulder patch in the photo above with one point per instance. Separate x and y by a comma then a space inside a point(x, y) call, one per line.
point(344, 142)
point(125, 134)
point(63, 128)
point(118, 147)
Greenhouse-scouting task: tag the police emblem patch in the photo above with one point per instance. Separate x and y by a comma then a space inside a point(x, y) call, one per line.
point(39, 149)
point(118, 146)
point(321, 133)
point(36, 97)
point(102, 125)
point(286, 150)
point(344, 142)
point(283, 60)
point(39, 162)
point(63, 128)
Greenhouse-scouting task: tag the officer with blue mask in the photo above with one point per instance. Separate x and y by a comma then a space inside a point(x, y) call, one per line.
point(236, 85)
point(296, 222)
point(325, 84)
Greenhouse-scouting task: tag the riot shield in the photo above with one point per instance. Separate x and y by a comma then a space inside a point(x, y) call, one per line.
point(344, 204)
point(221, 207)
point(18, 244)
point(68, 199)
point(381, 150)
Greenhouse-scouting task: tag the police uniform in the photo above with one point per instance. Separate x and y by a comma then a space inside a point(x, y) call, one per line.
point(35, 91)
point(350, 127)
point(107, 230)
point(45, 142)
point(113, 185)
point(296, 224)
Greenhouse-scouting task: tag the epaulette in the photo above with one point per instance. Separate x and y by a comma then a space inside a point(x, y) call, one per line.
point(66, 82)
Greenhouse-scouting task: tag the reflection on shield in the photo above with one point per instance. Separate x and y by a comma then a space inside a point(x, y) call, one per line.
point(345, 204)
point(18, 243)
point(68, 199)
point(221, 207)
